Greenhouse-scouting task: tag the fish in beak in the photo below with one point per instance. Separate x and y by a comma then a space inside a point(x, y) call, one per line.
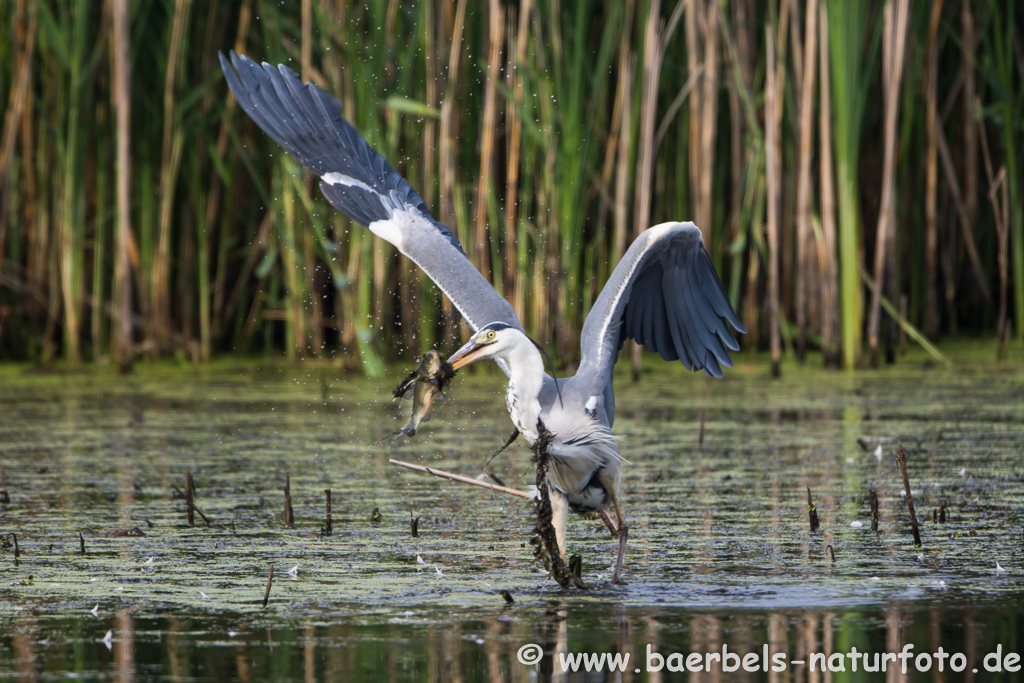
point(424, 385)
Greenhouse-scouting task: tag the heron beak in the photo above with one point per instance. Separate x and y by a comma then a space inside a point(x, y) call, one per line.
point(473, 350)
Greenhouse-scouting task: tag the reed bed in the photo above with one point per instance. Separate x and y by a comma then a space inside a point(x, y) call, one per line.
point(820, 146)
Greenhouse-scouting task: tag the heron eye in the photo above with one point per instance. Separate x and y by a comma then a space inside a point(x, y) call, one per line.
point(490, 335)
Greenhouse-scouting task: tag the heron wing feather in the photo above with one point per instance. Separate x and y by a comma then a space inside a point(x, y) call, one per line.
point(666, 295)
point(357, 181)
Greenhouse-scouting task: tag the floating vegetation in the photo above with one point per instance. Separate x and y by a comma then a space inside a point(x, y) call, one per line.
point(722, 543)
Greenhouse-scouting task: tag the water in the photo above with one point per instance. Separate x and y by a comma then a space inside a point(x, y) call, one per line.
point(720, 550)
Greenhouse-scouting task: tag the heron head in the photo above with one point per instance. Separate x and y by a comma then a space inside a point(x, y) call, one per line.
point(496, 339)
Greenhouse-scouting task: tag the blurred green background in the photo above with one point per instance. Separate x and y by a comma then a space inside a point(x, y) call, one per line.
point(820, 146)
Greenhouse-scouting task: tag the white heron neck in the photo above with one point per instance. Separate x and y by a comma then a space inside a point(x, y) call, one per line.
point(525, 380)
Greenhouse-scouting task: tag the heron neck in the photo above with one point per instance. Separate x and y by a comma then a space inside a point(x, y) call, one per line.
point(525, 381)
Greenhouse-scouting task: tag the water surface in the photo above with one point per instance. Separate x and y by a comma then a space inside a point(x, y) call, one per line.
point(720, 549)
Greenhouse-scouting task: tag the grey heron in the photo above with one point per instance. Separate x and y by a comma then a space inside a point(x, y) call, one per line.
point(664, 293)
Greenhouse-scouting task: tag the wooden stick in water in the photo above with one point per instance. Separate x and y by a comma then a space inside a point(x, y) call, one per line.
point(289, 516)
point(901, 458)
point(874, 509)
point(190, 489)
point(328, 525)
point(270, 582)
point(812, 512)
point(194, 506)
point(465, 480)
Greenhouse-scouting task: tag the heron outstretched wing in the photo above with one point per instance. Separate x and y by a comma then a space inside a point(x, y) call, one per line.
point(358, 181)
point(666, 295)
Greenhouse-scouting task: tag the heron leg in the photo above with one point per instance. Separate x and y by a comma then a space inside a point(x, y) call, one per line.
point(559, 517)
point(622, 531)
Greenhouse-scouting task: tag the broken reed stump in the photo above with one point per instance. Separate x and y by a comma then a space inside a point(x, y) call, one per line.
point(414, 525)
point(270, 582)
point(190, 493)
point(700, 434)
point(812, 512)
point(17, 552)
point(81, 542)
point(547, 545)
point(901, 458)
point(873, 496)
point(191, 507)
point(328, 527)
point(289, 517)
point(831, 552)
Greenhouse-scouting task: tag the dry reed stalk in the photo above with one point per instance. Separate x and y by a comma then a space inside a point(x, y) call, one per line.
point(970, 131)
point(827, 245)
point(804, 228)
point(314, 341)
point(894, 34)
point(382, 253)
point(35, 237)
point(901, 339)
point(173, 144)
point(645, 154)
point(751, 319)
point(648, 109)
point(627, 73)
point(741, 11)
point(772, 136)
point(213, 318)
point(998, 196)
point(785, 252)
point(693, 63)
point(447, 170)
point(655, 41)
point(122, 337)
point(709, 121)
point(701, 29)
point(25, 38)
point(69, 217)
point(519, 33)
point(488, 133)
point(929, 323)
point(953, 185)
point(294, 318)
point(608, 252)
point(1003, 328)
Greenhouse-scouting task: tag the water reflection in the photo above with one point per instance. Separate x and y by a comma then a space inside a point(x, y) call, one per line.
point(663, 645)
